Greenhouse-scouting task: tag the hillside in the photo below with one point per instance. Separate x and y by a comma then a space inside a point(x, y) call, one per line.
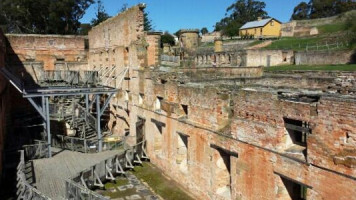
point(316, 34)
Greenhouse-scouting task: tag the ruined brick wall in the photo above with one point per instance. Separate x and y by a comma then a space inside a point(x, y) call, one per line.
point(233, 143)
point(47, 49)
point(154, 48)
point(324, 57)
point(119, 41)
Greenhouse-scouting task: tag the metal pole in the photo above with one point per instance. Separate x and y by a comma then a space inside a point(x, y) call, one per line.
point(44, 113)
point(98, 121)
point(86, 107)
point(48, 128)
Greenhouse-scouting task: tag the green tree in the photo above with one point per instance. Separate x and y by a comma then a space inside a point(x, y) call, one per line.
point(204, 31)
point(167, 38)
point(322, 8)
point(101, 15)
point(44, 17)
point(238, 14)
point(147, 25)
point(301, 11)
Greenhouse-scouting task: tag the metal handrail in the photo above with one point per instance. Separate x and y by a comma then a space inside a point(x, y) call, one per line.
point(36, 151)
point(24, 189)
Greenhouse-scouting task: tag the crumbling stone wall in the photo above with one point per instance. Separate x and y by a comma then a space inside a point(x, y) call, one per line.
point(237, 144)
point(119, 41)
point(47, 49)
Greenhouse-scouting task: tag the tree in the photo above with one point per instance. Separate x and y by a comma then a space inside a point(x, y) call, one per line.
point(147, 25)
point(238, 14)
point(301, 11)
point(167, 38)
point(100, 15)
point(43, 17)
point(322, 8)
point(204, 31)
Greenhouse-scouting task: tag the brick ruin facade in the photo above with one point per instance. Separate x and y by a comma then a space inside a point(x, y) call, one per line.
point(222, 133)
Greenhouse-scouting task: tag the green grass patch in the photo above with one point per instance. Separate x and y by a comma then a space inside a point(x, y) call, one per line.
point(207, 44)
point(294, 43)
point(351, 67)
point(256, 42)
point(111, 186)
point(167, 189)
point(331, 28)
point(118, 182)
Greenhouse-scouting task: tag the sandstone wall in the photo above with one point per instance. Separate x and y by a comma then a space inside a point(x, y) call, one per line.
point(210, 37)
point(323, 57)
point(47, 49)
point(269, 57)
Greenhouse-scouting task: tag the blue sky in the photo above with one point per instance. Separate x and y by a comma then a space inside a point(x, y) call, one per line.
point(172, 15)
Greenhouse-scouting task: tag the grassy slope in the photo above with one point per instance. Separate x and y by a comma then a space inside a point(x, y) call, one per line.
point(300, 43)
point(294, 43)
point(351, 67)
point(331, 28)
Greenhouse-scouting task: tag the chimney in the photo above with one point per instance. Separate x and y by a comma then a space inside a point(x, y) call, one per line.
point(259, 18)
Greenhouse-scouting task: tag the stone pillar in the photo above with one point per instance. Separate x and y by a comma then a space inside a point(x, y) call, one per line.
point(218, 45)
point(189, 39)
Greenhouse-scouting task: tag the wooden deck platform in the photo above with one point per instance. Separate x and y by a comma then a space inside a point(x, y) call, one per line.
point(51, 173)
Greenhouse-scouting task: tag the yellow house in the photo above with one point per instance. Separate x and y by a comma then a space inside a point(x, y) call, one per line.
point(262, 28)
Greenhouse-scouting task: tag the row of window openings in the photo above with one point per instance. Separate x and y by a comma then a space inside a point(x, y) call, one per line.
point(295, 190)
point(158, 102)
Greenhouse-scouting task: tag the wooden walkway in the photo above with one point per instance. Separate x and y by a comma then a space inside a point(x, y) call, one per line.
point(51, 173)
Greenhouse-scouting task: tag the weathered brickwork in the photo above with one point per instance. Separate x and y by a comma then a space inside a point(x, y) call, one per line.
point(47, 49)
point(119, 41)
point(248, 125)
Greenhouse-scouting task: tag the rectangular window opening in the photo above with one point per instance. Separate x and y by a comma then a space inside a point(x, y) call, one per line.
point(141, 98)
point(295, 190)
point(182, 152)
point(158, 103)
point(185, 109)
point(297, 131)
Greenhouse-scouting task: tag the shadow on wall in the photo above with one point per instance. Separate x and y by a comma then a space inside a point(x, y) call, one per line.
point(17, 119)
point(353, 57)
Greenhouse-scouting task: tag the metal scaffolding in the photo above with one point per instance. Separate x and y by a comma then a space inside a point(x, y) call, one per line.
point(67, 84)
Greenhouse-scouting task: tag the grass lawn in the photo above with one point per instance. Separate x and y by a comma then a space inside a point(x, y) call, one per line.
point(256, 42)
point(167, 189)
point(294, 43)
point(351, 67)
point(112, 191)
point(331, 28)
